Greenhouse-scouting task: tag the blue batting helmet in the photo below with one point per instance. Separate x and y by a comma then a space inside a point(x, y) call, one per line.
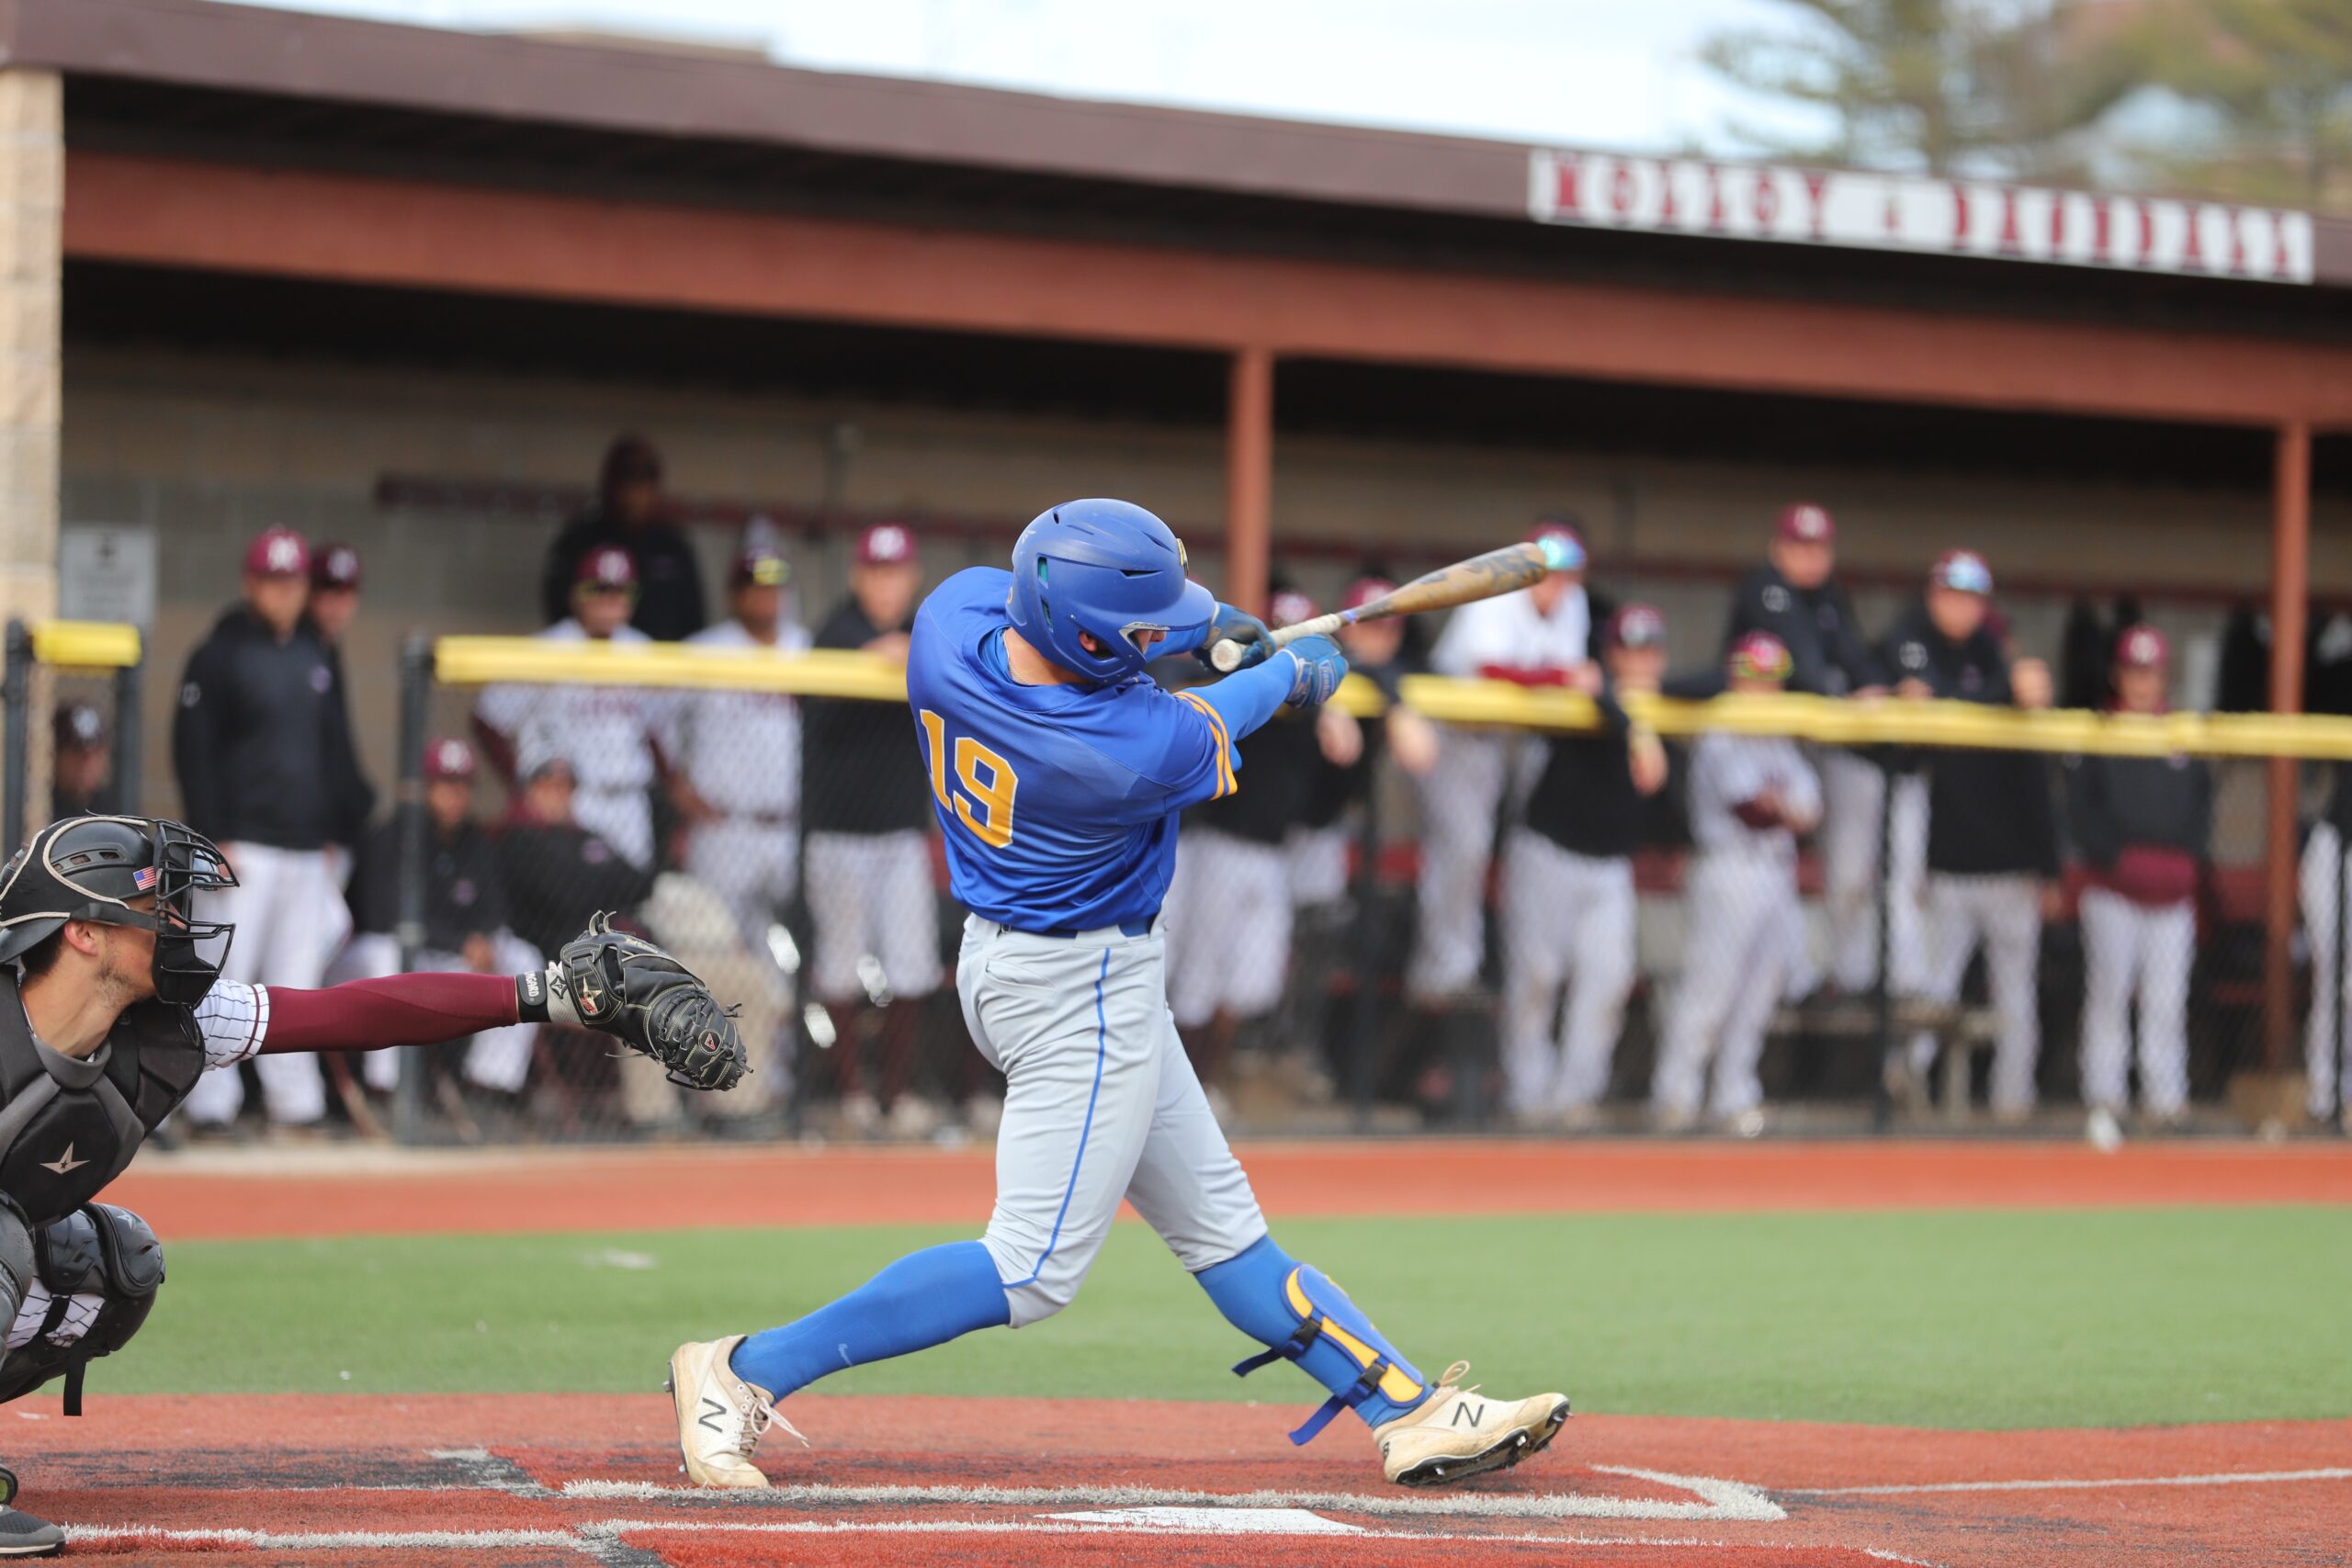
point(1107, 569)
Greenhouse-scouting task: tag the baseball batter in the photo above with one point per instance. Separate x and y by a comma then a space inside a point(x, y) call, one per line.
point(1057, 771)
point(1751, 795)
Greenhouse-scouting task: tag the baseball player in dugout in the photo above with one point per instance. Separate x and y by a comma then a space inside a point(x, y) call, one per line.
point(265, 770)
point(1795, 596)
point(1568, 903)
point(740, 755)
point(1538, 637)
point(466, 928)
point(630, 514)
point(81, 761)
point(2327, 871)
point(1229, 906)
point(868, 878)
point(2143, 826)
point(113, 1005)
point(612, 736)
point(1058, 770)
point(1991, 850)
point(1752, 797)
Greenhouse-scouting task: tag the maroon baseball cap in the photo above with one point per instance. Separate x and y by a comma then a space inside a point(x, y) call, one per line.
point(1805, 523)
point(1363, 590)
point(336, 566)
point(448, 758)
point(2142, 648)
point(1759, 656)
point(1636, 625)
point(1289, 607)
point(277, 552)
point(885, 544)
point(607, 566)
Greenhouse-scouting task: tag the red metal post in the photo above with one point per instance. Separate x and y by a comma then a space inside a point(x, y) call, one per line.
point(1249, 479)
point(2290, 534)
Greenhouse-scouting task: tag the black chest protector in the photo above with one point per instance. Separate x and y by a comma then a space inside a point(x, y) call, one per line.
point(68, 1127)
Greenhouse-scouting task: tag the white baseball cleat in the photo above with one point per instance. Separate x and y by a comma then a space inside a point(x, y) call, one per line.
point(720, 1417)
point(1458, 1432)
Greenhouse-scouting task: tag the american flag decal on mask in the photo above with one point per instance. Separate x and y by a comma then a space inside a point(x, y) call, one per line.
point(143, 878)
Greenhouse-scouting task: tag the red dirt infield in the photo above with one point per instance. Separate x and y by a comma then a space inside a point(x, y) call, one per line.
point(1072, 1483)
point(341, 1192)
point(538, 1481)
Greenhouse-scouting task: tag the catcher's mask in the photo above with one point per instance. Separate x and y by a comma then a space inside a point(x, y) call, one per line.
point(91, 868)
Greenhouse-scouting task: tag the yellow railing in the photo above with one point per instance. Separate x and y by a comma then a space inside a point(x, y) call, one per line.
point(86, 645)
point(479, 660)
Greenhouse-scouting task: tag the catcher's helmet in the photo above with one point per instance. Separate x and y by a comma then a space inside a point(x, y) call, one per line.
point(1111, 571)
point(90, 868)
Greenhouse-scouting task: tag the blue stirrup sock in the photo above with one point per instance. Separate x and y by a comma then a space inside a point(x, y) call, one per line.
point(1300, 1316)
point(924, 1299)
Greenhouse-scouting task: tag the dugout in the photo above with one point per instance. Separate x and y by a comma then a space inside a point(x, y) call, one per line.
point(398, 286)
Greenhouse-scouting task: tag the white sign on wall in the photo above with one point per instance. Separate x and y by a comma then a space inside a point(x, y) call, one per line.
point(1901, 212)
point(106, 573)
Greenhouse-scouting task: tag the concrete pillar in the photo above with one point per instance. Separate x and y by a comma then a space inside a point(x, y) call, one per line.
point(32, 190)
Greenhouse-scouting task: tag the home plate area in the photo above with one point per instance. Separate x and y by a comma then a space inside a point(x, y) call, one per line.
point(585, 1479)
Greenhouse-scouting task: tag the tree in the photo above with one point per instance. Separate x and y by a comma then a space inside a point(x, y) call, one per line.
point(2274, 79)
point(1994, 87)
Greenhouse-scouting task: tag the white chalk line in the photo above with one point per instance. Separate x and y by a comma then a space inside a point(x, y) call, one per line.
point(1719, 1501)
point(587, 1534)
point(2224, 1478)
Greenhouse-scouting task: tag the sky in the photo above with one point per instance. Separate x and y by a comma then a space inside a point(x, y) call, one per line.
point(1605, 73)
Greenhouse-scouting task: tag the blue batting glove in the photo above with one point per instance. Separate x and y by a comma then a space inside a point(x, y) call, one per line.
point(1236, 625)
point(1321, 668)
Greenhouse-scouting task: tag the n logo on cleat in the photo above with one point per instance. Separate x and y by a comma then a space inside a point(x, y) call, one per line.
point(713, 1413)
point(1475, 1416)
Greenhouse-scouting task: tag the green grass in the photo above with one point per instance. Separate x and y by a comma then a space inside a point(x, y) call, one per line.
point(1935, 1319)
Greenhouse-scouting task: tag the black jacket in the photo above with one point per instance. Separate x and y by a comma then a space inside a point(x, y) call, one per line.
point(2113, 802)
point(1989, 812)
point(353, 797)
point(669, 580)
point(260, 742)
point(862, 768)
point(556, 874)
point(1280, 763)
point(465, 892)
point(1585, 800)
point(1827, 655)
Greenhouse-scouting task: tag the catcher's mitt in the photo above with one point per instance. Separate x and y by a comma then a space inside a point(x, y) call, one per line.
point(629, 988)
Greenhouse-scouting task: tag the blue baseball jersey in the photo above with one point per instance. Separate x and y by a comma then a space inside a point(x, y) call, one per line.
point(1058, 803)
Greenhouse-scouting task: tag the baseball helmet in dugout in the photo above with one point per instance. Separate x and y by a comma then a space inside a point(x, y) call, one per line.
point(1108, 572)
point(91, 868)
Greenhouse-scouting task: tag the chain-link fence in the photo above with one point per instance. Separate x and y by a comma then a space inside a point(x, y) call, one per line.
point(1465, 905)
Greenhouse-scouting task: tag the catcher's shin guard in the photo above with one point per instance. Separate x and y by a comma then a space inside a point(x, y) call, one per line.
point(1303, 1317)
point(98, 1250)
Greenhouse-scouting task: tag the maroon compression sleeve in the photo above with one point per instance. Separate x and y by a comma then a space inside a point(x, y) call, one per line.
point(400, 1010)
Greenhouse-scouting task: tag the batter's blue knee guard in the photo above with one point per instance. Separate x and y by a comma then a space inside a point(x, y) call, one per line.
point(1301, 1317)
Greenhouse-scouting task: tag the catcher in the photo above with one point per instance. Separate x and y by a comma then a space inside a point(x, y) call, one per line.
point(111, 1006)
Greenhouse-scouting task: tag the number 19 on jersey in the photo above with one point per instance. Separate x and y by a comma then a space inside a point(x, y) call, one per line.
point(981, 792)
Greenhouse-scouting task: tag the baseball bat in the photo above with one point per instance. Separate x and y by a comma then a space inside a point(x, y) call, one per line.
point(1506, 570)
